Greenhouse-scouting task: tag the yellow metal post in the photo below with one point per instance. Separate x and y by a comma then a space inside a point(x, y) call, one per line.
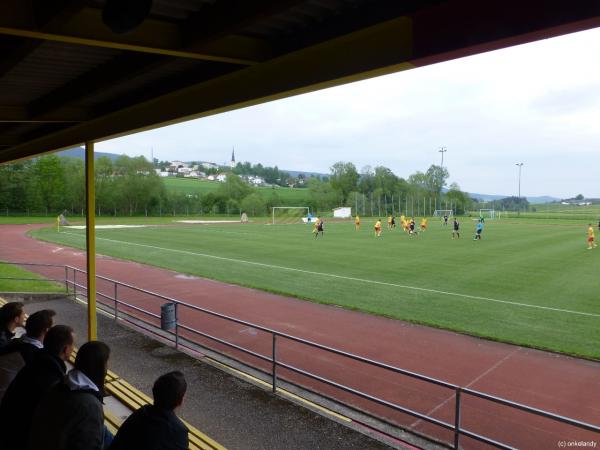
point(90, 239)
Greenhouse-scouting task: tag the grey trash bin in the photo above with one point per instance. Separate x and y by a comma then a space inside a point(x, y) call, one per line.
point(168, 316)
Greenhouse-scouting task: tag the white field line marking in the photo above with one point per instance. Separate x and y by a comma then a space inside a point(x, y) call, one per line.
point(343, 277)
point(475, 380)
point(216, 230)
point(202, 230)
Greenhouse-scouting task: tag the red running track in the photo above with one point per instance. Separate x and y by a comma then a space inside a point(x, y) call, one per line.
point(556, 383)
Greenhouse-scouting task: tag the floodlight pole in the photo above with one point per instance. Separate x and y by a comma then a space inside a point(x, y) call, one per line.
point(519, 206)
point(442, 150)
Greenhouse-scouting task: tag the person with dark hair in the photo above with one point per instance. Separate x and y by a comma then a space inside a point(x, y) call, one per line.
point(157, 427)
point(33, 381)
point(19, 352)
point(12, 315)
point(36, 327)
point(70, 416)
point(59, 341)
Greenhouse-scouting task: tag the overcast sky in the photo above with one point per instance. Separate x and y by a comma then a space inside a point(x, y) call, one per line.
point(537, 103)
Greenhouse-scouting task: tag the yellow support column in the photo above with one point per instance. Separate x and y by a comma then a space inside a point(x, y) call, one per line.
point(90, 239)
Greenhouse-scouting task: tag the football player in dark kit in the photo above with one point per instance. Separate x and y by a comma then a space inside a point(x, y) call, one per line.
point(456, 229)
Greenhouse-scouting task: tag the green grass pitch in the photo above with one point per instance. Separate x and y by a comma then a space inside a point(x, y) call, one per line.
point(526, 282)
point(16, 285)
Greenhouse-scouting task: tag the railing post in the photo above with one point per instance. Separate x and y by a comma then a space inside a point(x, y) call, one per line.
point(176, 326)
point(67, 279)
point(116, 301)
point(74, 283)
point(457, 419)
point(274, 370)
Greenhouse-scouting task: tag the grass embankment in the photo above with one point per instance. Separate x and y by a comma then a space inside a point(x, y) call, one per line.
point(19, 220)
point(287, 195)
point(10, 271)
point(527, 282)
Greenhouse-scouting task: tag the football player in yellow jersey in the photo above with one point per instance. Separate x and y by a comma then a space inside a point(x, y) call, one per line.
point(405, 225)
point(378, 228)
point(357, 223)
point(423, 224)
point(591, 240)
point(389, 221)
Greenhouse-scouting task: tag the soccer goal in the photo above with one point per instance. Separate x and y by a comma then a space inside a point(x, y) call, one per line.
point(442, 213)
point(487, 213)
point(290, 214)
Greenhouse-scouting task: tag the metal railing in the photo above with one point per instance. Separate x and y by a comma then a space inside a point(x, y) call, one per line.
point(72, 285)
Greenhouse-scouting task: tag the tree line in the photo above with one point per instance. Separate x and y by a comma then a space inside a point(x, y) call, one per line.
point(126, 187)
point(377, 191)
point(130, 186)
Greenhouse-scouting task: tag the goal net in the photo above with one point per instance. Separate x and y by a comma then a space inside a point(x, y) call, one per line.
point(442, 213)
point(487, 213)
point(290, 214)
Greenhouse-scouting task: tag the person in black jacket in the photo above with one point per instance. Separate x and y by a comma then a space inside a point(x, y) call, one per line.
point(31, 384)
point(36, 327)
point(19, 352)
point(12, 315)
point(157, 427)
point(70, 416)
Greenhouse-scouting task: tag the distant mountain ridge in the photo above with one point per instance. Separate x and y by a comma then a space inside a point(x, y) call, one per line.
point(295, 173)
point(79, 152)
point(490, 197)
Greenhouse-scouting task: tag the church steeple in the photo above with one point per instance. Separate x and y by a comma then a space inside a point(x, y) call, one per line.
point(232, 163)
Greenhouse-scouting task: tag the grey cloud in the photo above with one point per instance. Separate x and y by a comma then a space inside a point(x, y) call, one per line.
point(568, 100)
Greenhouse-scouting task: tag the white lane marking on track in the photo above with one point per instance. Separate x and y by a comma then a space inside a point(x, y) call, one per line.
point(249, 330)
point(475, 380)
point(343, 277)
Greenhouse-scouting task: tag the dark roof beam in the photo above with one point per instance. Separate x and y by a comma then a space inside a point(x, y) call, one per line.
point(374, 51)
point(16, 114)
point(35, 15)
point(125, 66)
point(9, 140)
point(226, 17)
point(163, 86)
point(353, 17)
point(152, 36)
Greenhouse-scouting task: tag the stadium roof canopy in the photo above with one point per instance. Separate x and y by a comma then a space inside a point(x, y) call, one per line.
point(81, 71)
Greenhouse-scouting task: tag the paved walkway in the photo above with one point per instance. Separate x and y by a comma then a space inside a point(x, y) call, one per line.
point(560, 384)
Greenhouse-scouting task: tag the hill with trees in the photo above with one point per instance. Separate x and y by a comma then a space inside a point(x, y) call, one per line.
point(130, 186)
